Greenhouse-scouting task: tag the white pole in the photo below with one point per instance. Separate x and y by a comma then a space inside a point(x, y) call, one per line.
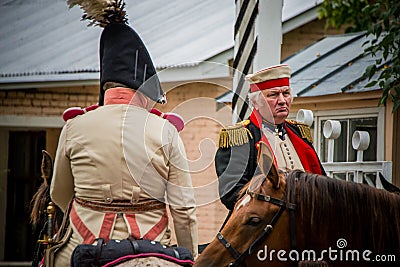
point(331, 149)
point(331, 130)
point(268, 30)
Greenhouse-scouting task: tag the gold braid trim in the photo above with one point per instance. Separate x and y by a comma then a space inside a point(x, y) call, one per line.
point(234, 135)
point(305, 130)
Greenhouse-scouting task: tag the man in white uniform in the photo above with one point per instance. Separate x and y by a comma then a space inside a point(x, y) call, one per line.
point(121, 164)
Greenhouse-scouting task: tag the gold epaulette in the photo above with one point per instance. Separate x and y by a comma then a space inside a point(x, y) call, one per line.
point(235, 135)
point(305, 130)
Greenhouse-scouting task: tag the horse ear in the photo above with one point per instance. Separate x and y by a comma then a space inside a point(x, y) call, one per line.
point(267, 164)
point(47, 167)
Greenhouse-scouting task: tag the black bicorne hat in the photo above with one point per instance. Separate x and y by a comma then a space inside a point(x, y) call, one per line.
point(124, 59)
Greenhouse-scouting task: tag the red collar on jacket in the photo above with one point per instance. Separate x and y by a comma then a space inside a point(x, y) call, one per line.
point(309, 160)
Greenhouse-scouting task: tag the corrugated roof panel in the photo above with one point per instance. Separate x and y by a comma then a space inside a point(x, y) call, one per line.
point(46, 45)
point(40, 37)
point(345, 77)
point(317, 50)
point(360, 86)
point(203, 35)
point(293, 8)
point(196, 31)
point(51, 38)
point(312, 75)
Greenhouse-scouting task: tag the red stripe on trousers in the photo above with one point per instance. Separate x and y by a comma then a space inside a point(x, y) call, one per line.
point(88, 236)
point(106, 226)
point(135, 231)
point(158, 228)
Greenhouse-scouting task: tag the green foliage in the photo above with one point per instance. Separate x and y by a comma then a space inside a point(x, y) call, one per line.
point(381, 18)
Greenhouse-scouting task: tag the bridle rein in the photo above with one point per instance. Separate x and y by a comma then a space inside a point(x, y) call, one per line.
point(283, 205)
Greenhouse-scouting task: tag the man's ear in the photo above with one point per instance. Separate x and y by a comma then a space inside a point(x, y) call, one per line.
point(267, 164)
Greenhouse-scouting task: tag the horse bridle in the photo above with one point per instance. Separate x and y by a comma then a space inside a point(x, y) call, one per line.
point(283, 205)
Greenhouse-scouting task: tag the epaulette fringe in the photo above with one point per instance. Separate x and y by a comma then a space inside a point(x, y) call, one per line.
point(235, 135)
point(305, 130)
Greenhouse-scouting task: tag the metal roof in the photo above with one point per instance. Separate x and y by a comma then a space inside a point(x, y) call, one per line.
point(332, 65)
point(44, 40)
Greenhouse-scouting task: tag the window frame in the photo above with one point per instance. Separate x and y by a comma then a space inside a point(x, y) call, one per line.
point(378, 112)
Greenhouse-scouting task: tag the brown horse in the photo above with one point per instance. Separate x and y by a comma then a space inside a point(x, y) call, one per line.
point(303, 219)
point(47, 228)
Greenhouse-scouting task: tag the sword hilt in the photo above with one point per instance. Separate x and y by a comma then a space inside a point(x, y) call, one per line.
point(48, 237)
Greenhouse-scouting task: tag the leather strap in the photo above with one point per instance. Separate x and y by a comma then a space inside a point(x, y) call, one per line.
point(121, 206)
point(134, 244)
point(99, 248)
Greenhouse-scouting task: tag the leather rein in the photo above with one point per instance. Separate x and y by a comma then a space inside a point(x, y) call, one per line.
point(283, 205)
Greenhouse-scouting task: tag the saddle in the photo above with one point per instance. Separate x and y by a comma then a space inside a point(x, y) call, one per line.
point(87, 255)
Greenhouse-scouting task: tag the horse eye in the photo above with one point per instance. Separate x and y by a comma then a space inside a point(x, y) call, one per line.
point(253, 221)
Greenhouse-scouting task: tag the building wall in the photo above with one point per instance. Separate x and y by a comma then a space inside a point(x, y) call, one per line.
point(45, 101)
point(195, 102)
point(304, 36)
point(396, 147)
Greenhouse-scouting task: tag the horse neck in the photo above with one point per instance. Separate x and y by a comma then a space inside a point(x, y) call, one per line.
point(329, 210)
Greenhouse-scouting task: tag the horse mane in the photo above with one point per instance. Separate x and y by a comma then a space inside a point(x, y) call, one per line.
point(363, 215)
point(41, 198)
point(39, 203)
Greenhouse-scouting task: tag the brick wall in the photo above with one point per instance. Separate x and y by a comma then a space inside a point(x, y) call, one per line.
point(45, 102)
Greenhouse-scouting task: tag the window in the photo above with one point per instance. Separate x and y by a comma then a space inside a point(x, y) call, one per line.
point(343, 149)
point(370, 120)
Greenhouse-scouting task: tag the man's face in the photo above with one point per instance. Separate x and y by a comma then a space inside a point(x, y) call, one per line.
point(278, 100)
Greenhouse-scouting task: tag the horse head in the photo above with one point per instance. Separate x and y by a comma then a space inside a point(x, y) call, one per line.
point(260, 212)
point(306, 214)
point(40, 203)
point(42, 197)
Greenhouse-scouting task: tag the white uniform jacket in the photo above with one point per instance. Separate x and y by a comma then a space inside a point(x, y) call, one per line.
point(122, 153)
